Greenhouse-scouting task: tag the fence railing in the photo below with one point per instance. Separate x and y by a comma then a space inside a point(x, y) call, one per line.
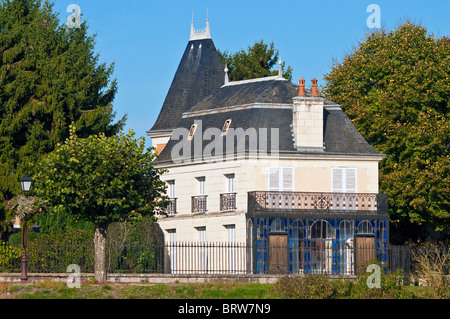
point(299, 257)
point(265, 201)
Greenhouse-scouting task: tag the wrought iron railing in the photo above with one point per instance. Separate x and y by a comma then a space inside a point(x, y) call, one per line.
point(299, 256)
point(228, 202)
point(322, 202)
point(172, 207)
point(198, 205)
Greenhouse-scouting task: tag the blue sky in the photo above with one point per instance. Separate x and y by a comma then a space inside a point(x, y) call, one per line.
point(146, 39)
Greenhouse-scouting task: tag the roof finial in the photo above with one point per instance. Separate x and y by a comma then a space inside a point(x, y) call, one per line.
point(208, 35)
point(280, 69)
point(226, 74)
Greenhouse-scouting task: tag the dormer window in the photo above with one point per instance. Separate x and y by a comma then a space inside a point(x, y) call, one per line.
point(226, 126)
point(192, 131)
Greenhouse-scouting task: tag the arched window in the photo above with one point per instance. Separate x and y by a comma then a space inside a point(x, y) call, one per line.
point(346, 230)
point(365, 227)
point(321, 229)
point(277, 226)
point(321, 251)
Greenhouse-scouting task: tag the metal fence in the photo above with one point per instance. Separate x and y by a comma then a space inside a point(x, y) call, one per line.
point(203, 258)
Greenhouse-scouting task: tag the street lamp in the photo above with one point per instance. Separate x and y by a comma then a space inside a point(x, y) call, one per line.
point(25, 182)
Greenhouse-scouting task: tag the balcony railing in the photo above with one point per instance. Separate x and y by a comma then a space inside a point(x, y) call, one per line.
point(172, 207)
point(227, 202)
point(260, 201)
point(198, 204)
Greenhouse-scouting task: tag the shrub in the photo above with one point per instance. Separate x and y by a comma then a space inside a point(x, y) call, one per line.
point(321, 287)
point(9, 257)
point(305, 287)
point(431, 267)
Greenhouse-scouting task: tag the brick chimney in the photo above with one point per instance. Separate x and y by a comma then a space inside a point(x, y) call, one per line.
point(308, 119)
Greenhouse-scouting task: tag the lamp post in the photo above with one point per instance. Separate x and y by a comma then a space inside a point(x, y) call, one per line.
point(25, 182)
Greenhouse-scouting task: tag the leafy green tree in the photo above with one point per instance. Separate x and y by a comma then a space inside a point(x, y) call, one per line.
point(395, 86)
point(258, 61)
point(50, 76)
point(101, 180)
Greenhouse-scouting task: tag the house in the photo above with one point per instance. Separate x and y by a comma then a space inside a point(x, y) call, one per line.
point(267, 166)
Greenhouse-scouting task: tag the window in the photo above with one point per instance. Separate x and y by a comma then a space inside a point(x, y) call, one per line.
point(230, 183)
point(171, 188)
point(202, 254)
point(172, 235)
point(231, 233)
point(201, 185)
point(281, 179)
point(343, 180)
point(365, 227)
point(173, 249)
point(192, 131)
point(277, 226)
point(226, 126)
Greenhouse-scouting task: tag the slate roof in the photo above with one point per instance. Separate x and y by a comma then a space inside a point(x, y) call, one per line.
point(266, 104)
point(199, 74)
point(273, 90)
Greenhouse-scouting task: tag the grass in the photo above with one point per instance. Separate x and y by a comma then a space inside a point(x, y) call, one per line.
point(54, 290)
point(229, 290)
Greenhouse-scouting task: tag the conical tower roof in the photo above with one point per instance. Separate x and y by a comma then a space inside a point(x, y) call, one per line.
point(199, 74)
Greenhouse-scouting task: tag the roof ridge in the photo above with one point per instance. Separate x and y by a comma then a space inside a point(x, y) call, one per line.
point(267, 78)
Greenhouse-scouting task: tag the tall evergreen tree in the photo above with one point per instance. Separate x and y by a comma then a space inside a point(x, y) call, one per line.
point(50, 77)
point(258, 61)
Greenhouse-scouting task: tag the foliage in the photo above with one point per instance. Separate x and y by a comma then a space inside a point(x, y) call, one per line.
point(322, 287)
point(305, 287)
point(9, 256)
point(55, 252)
point(395, 87)
point(52, 222)
point(101, 179)
point(49, 78)
point(257, 62)
point(431, 267)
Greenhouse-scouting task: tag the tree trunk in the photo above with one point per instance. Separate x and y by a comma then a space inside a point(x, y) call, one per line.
point(100, 252)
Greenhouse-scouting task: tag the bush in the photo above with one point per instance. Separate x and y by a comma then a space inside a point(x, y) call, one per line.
point(321, 287)
point(305, 287)
point(431, 267)
point(9, 257)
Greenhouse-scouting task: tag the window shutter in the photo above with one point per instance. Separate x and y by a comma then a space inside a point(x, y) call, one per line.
point(350, 180)
point(288, 181)
point(337, 180)
point(274, 178)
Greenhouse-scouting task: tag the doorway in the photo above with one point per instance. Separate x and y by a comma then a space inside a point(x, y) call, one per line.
point(278, 254)
point(365, 251)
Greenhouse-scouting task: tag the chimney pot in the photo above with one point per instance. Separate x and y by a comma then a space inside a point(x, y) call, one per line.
point(314, 87)
point(301, 91)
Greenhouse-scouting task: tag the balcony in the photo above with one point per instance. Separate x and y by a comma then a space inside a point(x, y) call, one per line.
point(318, 203)
point(198, 204)
point(227, 202)
point(172, 207)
